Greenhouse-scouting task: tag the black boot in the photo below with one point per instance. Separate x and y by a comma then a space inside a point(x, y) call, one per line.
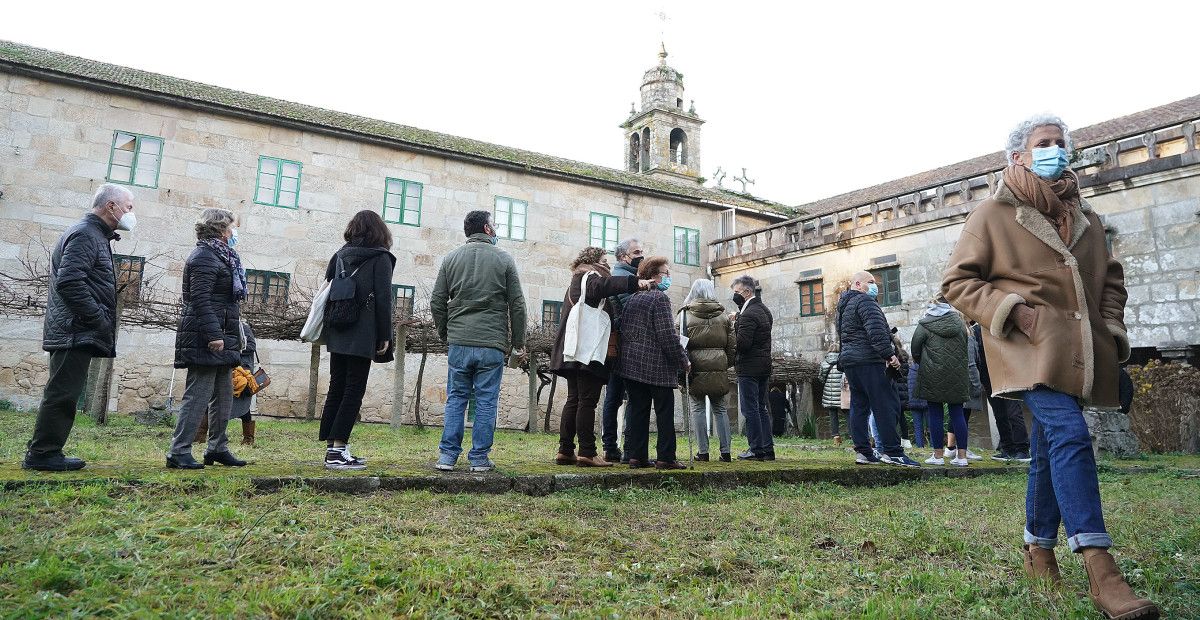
point(702, 457)
point(726, 458)
point(225, 458)
point(57, 462)
point(182, 461)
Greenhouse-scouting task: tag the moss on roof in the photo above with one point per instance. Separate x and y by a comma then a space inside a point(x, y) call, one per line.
point(18, 55)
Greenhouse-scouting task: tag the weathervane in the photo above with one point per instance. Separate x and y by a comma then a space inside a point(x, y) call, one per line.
point(719, 176)
point(744, 179)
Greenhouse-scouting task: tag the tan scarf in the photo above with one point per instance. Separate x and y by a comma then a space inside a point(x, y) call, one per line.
point(1057, 200)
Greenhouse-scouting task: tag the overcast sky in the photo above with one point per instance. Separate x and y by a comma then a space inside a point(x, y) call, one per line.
point(814, 99)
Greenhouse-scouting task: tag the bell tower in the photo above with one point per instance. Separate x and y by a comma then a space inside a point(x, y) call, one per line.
point(662, 139)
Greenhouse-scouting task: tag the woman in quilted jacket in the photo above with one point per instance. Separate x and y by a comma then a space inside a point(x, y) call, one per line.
point(831, 391)
point(712, 349)
point(939, 346)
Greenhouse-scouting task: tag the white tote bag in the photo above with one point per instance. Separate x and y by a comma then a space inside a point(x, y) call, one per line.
point(314, 327)
point(587, 330)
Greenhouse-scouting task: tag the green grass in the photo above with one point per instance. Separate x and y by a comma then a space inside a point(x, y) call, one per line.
point(126, 450)
point(203, 544)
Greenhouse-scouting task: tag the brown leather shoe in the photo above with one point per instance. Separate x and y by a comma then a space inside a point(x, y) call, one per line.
point(248, 429)
point(1109, 591)
point(1041, 564)
point(592, 461)
point(669, 465)
point(564, 459)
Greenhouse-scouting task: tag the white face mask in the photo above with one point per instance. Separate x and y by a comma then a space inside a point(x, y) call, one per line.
point(128, 221)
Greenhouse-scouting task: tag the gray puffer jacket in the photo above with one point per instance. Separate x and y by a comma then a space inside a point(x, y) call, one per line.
point(831, 390)
point(940, 347)
point(82, 305)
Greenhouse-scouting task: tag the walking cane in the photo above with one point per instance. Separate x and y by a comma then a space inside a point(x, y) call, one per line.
point(687, 380)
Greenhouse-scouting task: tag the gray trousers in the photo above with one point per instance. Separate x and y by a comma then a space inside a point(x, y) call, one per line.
point(204, 384)
point(701, 424)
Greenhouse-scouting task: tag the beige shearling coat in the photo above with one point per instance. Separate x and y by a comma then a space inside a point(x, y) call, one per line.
point(1009, 253)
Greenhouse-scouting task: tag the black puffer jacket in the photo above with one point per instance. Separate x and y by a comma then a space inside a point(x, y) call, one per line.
point(753, 334)
point(82, 304)
point(374, 325)
point(210, 312)
point(940, 346)
point(863, 330)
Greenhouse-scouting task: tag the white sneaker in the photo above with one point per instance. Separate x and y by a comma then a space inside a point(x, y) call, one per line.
point(957, 462)
point(971, 456)
point(906, 444)
point(933, 460)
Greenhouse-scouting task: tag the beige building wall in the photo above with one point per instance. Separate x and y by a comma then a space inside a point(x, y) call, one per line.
point(55, 142)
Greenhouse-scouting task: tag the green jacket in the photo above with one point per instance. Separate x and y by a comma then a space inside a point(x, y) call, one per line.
point(940, 347)
point(477, 300)
point(711, 347)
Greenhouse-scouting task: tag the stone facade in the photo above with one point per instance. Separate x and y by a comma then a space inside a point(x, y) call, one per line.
point(56, 140)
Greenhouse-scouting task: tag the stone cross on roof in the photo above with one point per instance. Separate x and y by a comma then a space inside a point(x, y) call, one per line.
point(744, 179)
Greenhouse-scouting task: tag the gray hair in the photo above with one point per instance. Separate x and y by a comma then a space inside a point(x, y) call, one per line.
point(745, 281)
point(109, 192)
point(623, 247)
point(701, 289)
point(213, 223)
point(1018, 138)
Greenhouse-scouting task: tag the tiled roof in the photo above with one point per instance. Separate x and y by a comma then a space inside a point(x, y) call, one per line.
point(1139, 122)
point(47, 62)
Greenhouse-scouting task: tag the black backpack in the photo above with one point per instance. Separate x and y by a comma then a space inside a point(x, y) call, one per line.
point(342, 309)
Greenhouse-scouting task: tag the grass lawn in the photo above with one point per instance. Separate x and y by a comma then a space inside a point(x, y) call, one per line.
point(203, 544)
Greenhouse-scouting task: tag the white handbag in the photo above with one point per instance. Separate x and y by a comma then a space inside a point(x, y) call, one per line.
point(587, 330)
point(314, 327)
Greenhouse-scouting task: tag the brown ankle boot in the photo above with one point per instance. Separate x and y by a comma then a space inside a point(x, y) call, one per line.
point(248, 433)
point(1041, 564)
point(1110, 593)
point(202, 432)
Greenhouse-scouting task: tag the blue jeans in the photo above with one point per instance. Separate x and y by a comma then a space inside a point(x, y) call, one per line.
point(476, 370)
point(937, 425)
point(871, 392)
point(752, 402)
point(874, 428)
point(614, 395)
point(920, 416)
point(1063, 487)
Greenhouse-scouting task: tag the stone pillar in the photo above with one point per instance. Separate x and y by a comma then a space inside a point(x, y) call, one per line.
point(1111, 433)
point(398, 376)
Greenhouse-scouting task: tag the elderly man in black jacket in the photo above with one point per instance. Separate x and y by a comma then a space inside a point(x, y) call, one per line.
point(866, 349)
point(753, 336)
point(80, 321)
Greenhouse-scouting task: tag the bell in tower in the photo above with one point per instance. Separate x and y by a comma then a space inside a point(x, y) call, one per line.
point(662, 139)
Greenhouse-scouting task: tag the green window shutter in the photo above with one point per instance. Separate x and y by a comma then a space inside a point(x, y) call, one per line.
point(812, 298)
point(551, 313)
point(687, 246)
point(605, 231)
point(403, 297)
point(135, 159)
point(510, 218)
point(402, 202)
point(268, 288)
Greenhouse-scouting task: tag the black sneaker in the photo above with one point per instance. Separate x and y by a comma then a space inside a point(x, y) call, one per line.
point(1022, 457)
point(901, 460)
point(702, 457)
point(726, 458)
point(58, 462)
point(1002, 456)
point(614, 456)
point(338, 459)
point(866, 459)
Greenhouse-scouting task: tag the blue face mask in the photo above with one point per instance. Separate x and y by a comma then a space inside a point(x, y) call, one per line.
point(1049, 162)
point(493, 239)
point(232, 241)
point(873, 289)
point(665, 283)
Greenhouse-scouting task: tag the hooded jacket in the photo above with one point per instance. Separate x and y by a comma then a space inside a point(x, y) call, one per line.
point(711, 346)
point(939, 346)
point(373, 291)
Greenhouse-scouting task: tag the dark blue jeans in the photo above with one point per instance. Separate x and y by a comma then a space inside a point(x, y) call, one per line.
point(937, 426)
point(920, 422)
point(614, 394)
point(752, 402)
point(871, 392)
point(1063, 487)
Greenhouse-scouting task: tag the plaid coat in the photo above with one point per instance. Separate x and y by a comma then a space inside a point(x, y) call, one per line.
point(650, 351)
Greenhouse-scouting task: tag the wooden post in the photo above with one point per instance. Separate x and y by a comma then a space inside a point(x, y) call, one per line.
point(100, 374)
point(420, 380)
point(804, 406)
point(533, 409)
point(398, 376)
point(314, 365)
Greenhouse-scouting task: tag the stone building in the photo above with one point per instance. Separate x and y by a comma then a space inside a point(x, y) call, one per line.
point(294, 174)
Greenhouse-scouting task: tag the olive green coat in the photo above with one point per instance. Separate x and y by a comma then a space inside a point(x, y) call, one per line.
point(711, 347)
point(940, 347)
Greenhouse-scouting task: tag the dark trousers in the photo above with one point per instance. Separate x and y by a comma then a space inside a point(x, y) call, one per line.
point(614, 395)
point(56, 415)
point(347, 384)
point(637, 414)
point(871, 392)
point(579, 413)
point(752, 402)
point(1010, 421)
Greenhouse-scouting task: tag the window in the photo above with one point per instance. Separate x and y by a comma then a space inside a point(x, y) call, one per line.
point(687, 246)
point(605, 230)
point(402, 202)
point(278, 183)
point(510, 218)
point(129, 277)
point(267, 287)
point(889, 285)
point(403, 297)
point(551, 313)
point(812, 298)
point(134, 159)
